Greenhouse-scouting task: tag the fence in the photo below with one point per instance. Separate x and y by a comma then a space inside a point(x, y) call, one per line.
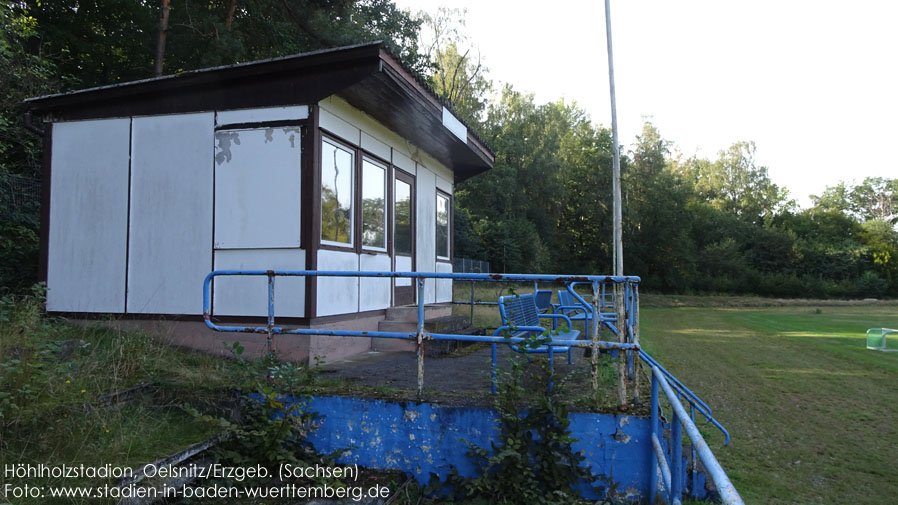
point(18, 193)
point(467, 265)
point(628, 346)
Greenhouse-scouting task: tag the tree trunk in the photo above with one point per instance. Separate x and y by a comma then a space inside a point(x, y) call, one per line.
point(229, 18)
point(163, 31)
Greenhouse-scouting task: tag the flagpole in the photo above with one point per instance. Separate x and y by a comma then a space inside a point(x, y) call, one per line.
point(617, 239)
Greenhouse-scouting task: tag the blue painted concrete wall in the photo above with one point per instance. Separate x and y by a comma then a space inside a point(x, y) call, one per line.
point(420, 438)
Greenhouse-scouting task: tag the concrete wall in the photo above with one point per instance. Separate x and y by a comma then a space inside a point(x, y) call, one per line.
point(420, 438)
point(88, 216)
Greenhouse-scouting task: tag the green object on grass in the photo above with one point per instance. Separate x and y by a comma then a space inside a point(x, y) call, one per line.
point(882, 339)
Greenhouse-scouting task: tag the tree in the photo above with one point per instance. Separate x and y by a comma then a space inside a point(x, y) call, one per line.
point(458, 75)
point(99, 42)
point(736, 184)
point(875, 199)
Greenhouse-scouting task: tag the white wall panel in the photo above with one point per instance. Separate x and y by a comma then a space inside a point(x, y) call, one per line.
point(338, 295)
point(425, 235)
point(248, 296)
point(444, 286)
point(404, 162)
point(259, 115)
point(339, 127)
point(367, 124)
point(375, 147)
point(170, 250)
point(403, 264)
point(88, 216)
point(374, 293)
point(257, 188)
point(443, 185)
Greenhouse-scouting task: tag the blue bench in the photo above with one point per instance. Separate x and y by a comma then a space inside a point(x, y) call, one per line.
point(520, 318)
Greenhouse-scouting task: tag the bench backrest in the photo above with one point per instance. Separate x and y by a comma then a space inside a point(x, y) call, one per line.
point(519, 310)
point(543, 299)
point(565, 298)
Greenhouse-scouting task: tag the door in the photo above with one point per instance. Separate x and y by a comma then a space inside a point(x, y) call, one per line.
point(403, 236)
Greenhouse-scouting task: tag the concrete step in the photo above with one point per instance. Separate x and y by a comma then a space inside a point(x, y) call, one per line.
point(442, 324)
point(410, 312)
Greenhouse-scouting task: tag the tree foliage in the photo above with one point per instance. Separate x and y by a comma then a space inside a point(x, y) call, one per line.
point(694, 224)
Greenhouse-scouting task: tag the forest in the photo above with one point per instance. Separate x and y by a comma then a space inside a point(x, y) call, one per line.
point(690, 224)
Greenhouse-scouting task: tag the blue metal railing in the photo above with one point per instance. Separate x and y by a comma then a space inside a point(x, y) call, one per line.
point(672, 471)
point(420, 335)
point(625, 301)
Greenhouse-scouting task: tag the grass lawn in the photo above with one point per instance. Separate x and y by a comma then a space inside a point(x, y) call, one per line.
point(813, 415)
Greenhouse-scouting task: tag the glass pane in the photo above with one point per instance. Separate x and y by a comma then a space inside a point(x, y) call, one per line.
point(336, 193)
point(374, 221)
point(403, 218)
point(442, 226)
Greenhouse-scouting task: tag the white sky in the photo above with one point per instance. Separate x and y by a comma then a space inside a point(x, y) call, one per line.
point(813, 83)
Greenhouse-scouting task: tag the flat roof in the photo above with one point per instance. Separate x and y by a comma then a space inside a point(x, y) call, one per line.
point(365, 75)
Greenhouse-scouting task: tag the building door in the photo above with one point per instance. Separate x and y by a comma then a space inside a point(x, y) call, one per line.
point(403, 236)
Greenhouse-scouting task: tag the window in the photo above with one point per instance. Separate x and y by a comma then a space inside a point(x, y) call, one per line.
point(443, 229)
point(337, 175)
point(374, 205)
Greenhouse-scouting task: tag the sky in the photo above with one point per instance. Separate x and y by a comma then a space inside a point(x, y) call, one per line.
point(813, 83)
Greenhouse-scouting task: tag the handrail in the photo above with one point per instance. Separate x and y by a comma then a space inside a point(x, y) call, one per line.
point(626, 317)
point(693, 399)
point(420, 335)
point(681, 420)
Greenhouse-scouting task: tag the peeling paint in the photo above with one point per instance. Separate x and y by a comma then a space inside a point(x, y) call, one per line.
point(269, 135)
point(225, 139)
point(423, 438)
point(620, 436)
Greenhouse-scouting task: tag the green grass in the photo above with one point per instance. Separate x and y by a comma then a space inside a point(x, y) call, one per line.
point(812, 413)
point(53, 374)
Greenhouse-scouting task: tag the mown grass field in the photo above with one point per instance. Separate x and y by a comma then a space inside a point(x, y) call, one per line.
point(813, 415)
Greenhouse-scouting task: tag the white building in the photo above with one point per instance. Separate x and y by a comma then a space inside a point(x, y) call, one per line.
point(330, 160)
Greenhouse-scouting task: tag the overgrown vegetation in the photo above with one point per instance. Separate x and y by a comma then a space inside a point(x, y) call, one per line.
point(273, 418)
point(56, 408)
point(533, 461)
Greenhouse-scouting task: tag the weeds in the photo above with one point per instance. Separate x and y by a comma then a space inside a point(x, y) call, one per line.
point(533, 460)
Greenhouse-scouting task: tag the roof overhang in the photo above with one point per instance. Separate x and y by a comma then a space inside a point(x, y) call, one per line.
point(365, 75)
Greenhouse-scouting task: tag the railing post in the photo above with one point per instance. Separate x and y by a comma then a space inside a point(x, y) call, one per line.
point(636, 360)
point(676, 460)
point(271, 347)
point(551, 355)
point(694, 468)
point(494, 380)
point(594, 357)
point(619, 304)
point(653, 475)
point(420, 337)
point(472, 304)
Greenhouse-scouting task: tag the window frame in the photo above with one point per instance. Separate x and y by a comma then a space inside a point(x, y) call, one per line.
point(359, 154)
point(449, 224)
point(374, 160)
point(354, 221)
